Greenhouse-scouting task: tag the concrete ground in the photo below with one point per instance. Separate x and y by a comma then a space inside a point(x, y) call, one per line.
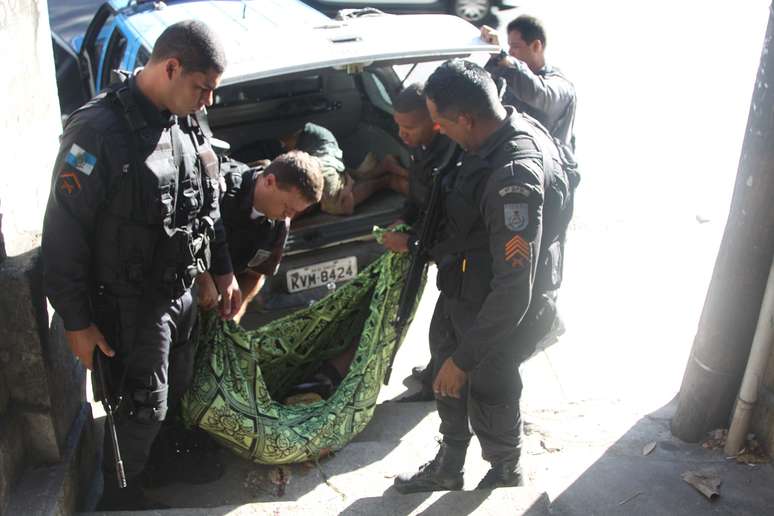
point(664, 91)
point(583, 454)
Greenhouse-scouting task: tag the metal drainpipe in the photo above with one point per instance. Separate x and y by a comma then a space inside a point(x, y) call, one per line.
point(756, 366)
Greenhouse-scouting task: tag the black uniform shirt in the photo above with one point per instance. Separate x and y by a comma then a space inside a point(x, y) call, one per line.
point(424, 159)
point(510, 207)
point(254, 242)
point(94, 157)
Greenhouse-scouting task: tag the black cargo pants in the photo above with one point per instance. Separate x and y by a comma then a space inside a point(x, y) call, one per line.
point(489, 402)
point(152, 368)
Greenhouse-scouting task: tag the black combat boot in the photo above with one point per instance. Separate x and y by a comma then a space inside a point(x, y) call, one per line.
point(502, 474)
point(182, 455)
point(443, 473)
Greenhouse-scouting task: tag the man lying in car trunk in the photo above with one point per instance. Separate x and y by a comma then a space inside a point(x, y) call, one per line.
point(343, 189)
point(256, 208)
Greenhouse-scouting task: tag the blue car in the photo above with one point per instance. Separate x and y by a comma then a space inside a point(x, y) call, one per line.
point(288, 64)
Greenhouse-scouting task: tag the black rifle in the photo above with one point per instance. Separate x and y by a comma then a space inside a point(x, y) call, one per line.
point(419, 260)
point(99, 368)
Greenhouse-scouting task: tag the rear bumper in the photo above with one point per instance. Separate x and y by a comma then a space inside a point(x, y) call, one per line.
point(275, 300)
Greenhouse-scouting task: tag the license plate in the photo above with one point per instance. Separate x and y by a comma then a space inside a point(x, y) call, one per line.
point(321, 274)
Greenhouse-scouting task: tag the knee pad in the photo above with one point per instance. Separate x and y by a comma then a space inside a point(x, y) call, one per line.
point(148, 406)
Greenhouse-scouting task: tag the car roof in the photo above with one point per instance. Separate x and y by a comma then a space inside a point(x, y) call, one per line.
point(268, 38)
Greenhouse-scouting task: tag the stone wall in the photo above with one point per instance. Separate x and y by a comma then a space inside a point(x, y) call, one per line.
point(30, 122)
point(46, 431)
point(42, 392)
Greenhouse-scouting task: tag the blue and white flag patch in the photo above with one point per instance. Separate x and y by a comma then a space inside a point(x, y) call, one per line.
point(81, 160)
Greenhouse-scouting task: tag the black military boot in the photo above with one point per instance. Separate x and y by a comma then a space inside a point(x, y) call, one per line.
point(502, 474)
point(182, 455)
point(443, 473)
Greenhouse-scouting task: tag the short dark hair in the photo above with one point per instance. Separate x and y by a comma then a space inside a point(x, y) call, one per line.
point(297, 169)
point(192, 43)
point(530, 29)
point(459, 86)
point(411, 99)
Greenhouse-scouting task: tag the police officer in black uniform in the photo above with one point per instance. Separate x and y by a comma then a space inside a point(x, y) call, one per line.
point(130, 223)
point(533, 86)
point(257, 207)
point(431, 152)
point(502, 205)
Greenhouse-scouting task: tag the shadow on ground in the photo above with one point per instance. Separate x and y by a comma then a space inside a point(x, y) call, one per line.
point(624, 480)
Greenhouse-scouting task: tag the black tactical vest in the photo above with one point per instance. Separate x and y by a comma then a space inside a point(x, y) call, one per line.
point(465, 231)
point(157, 223)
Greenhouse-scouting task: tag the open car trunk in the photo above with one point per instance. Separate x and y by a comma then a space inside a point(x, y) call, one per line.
point(343, 80)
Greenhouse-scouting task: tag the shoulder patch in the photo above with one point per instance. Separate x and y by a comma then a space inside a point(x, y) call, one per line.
point(81, 160)
point(517, 252)
point(69, 183)
point(516, 216)
point(515, 189)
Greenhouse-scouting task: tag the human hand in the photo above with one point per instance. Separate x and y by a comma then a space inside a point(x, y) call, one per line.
point(208, 292)
point(82, 344)
point(397, 242)
point(449, 380)
point(489, 35)
point(230, 296)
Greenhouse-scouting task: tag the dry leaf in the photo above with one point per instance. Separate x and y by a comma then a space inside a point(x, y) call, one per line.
point(648, 448)
point(707, 482)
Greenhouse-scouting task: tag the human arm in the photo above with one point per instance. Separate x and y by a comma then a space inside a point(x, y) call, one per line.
point(549, 93)
point(78, 189)
point(207, 291)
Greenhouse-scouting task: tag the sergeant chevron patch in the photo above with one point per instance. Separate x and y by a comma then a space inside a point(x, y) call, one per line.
point(517, 252)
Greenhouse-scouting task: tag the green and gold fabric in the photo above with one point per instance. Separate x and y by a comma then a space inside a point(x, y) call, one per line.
point(242, 375)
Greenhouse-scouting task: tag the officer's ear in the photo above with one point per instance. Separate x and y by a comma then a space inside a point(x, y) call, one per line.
point(269, 181)
point(172, 66)
point(466, 121)
point(536, 47)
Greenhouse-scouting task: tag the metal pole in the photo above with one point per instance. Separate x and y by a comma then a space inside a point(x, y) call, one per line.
point(727, 323)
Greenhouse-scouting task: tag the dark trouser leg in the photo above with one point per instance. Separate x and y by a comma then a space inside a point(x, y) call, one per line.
point(444, 472)
point(153, 339)
point(443, 342)
point(495, 389)
point(492, 404)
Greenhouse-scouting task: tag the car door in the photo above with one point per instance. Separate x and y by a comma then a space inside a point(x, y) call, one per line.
point(116, 55)
point(72, 91)
point(91, 48)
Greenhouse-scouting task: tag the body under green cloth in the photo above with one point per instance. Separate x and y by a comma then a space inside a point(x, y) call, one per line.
point(240, 374)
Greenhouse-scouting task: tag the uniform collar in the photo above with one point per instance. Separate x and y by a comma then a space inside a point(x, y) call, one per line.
point(153, 117)
point(436, 145)
point(492, 143)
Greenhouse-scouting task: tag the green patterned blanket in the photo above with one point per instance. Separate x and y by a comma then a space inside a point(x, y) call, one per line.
point(240, 376)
